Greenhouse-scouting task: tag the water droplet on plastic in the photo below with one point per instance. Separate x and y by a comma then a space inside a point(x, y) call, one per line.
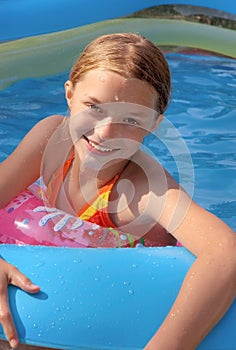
point(39, 264)
point(126, 283)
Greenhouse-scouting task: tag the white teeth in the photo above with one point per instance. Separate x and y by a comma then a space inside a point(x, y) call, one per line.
point(99, 148)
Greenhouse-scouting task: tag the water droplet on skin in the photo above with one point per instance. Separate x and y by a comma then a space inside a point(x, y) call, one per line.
point(192, 274)
point(101, 78)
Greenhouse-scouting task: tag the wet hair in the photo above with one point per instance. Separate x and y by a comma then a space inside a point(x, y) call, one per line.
point(130, 55)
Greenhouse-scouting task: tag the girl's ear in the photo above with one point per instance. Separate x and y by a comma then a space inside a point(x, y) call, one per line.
point(68, 92)
point(158, 121)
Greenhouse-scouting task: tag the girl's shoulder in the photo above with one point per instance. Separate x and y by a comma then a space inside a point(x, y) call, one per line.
point(143, 167)
point(145, 180)
point(52, 121)
point(45, 128)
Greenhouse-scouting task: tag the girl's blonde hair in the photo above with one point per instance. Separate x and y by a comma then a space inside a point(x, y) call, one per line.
point(130, 55)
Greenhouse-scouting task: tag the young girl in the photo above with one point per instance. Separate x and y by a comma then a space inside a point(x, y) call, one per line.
point(92, 166)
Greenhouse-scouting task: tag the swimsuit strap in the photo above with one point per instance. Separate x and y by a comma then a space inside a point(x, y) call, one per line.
point(67, 165)
point(57, 179)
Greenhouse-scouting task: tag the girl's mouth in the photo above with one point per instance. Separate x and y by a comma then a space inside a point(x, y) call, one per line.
point(97, 147)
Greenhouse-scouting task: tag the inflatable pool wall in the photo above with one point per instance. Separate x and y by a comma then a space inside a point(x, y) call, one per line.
point(102, 298)
point(98, 298)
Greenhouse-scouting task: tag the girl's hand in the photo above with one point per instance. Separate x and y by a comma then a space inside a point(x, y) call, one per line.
point(9, 274)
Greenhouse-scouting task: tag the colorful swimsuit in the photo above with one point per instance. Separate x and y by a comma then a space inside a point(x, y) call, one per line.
point(97, 211)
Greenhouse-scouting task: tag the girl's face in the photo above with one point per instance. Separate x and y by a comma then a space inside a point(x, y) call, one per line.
point(110, 115)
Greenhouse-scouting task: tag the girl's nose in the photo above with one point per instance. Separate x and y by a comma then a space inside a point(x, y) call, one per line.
point(107, 129)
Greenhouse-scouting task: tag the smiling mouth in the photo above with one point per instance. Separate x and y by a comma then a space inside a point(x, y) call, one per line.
point(98, 147)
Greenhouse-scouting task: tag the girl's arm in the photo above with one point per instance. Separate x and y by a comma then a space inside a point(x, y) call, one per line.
point(11, 275)
point(209, 287)
point(22, 167)
point(18, 171)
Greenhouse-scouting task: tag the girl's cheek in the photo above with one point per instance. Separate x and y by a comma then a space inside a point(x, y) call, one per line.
point(80, 124)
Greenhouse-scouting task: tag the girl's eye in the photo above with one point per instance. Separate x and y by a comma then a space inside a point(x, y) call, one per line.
point(131, 121)
point(95, 108)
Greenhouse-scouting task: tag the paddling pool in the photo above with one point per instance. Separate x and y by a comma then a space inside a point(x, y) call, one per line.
point(117, 298)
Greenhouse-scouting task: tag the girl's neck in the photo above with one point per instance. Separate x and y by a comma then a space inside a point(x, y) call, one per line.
point(82, 174)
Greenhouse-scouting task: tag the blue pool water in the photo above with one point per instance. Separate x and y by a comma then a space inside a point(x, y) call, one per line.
point(202, 110)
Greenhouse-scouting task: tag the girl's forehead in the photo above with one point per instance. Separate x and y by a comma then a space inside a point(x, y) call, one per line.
point(108, 86)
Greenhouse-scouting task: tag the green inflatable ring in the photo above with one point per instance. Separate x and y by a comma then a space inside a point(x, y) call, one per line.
point(50, 54)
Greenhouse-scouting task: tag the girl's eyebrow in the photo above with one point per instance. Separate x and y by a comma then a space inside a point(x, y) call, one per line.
point(93, 99)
